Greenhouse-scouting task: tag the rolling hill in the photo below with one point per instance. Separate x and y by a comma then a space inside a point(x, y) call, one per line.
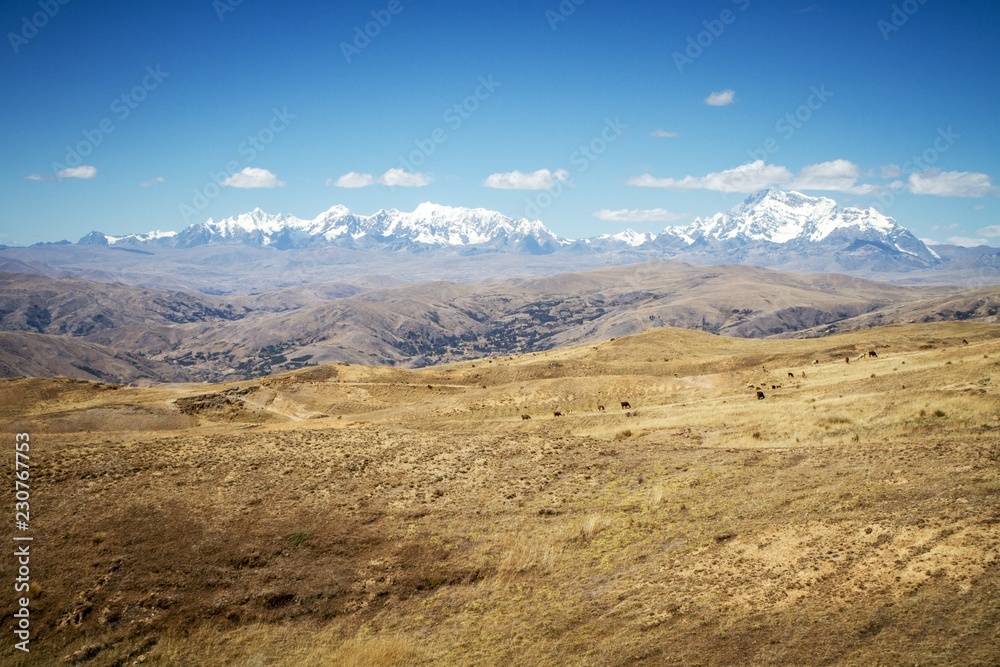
point(383, 516)
point(239, 336)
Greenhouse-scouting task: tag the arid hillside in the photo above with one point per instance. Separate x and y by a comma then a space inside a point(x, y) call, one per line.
point(135, 335)
point(354, 515)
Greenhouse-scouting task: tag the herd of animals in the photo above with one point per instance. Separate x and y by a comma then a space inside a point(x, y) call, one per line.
point(760, 390)
point(625, 406)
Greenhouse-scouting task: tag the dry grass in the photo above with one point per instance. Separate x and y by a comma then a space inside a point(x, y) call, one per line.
point(842, 520)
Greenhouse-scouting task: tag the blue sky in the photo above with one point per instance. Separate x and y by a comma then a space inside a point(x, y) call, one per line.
point(590, 115)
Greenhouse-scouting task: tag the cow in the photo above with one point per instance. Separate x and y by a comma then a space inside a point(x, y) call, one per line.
point(965, 342)
point(847, 360)
point(791, 375)
point(760, 396)
point(872, 353)
point(525, 416)
point(625, 405)
point(557, 414)
point(600, 408)
point(816, 362)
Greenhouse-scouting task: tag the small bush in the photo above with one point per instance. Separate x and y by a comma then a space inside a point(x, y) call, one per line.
point(298, 538)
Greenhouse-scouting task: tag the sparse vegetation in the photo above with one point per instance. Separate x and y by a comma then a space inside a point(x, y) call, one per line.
point(298, 538)
point(347, 515)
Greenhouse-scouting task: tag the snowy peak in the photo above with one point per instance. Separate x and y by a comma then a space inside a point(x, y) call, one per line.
point(779, 217)
point(770, 228)
point(430, 225)
point(771, 215)
point(629, 238)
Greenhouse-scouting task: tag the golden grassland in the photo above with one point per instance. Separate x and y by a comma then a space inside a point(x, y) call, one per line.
point(347, 515)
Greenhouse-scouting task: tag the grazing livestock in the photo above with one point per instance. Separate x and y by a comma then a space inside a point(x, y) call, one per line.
point(872, 353)
point(760, 396)
point(625, 405)
point(965, 342)
point(816, 362)
point(847, 359)
point(791, 375)
point(557, 414)
point(600, 408)
point(525, 416)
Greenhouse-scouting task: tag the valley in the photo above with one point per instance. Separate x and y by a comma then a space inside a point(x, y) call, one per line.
point(121, 334)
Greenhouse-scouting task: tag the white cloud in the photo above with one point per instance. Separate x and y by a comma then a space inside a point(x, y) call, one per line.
point(253, 177)
point(981, 207)
point(392, 178)
point(83, 171)
point(353, 179)
point(746, 178)
point(966, 241)
point(993, 231)
point(663, 134)
point(404, 179)
point(543, 179)
point(891, 171)
point(836, 175)
point(928, 241)
point(634, 215)
point(721, 99)
point(153, 181)
point(951, 184)
point(38, 177)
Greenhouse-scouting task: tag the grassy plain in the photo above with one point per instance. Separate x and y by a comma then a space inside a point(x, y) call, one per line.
point(350, 515)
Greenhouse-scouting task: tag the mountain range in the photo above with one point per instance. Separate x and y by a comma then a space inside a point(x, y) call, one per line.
point(429, 226)
point(766, 229)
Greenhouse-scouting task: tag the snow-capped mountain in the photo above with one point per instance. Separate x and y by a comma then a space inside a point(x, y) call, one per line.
point(792, 218)
point(429, 226)
point(771, 228)
point(628, 239)
point(786, 230)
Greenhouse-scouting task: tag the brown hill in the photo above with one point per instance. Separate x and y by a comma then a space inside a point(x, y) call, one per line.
point(382, 516)
point(40, 355)
point(241, 336)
